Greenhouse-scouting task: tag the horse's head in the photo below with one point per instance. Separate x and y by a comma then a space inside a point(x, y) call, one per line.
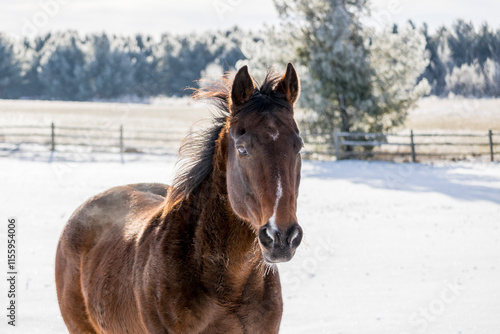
point(263, 168)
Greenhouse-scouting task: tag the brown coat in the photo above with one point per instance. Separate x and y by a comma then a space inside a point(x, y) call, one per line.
point(191, 258)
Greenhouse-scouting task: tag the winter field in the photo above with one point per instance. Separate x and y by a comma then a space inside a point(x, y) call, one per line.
point(168, 113)
point(388, 248)
point(431, 114)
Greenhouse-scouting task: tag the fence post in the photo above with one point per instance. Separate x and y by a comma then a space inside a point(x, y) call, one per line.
point(53, 137)
point(336, 139)
point(121, 138)
point(412, 143)
point(490, 135)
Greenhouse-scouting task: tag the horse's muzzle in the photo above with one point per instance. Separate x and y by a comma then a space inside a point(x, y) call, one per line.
point(279, 245)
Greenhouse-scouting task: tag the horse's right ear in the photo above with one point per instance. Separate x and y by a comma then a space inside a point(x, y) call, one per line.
point(243, 87)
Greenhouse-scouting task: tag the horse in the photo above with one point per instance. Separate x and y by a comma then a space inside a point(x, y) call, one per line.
point(198, 256)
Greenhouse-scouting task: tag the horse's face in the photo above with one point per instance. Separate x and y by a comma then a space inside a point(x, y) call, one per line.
point(263, 171)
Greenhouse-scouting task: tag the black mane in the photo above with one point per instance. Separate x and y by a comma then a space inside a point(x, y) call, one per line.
point(197, 149)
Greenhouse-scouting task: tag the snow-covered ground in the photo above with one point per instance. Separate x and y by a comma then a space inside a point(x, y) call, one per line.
point(389, 248)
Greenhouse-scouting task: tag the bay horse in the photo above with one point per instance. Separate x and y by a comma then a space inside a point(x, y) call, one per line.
point(198, 256)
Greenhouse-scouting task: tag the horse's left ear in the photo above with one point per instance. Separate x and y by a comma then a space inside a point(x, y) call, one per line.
point(289, 85)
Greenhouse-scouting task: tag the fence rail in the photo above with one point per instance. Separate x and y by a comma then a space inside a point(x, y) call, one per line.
point(346, 144)
point(120, 138)
point(344, 140)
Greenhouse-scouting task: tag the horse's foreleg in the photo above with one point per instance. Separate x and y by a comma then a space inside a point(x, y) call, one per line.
point(70, 296)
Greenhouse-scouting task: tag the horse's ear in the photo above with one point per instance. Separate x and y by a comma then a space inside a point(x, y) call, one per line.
point(243, 87)
point(289, 85)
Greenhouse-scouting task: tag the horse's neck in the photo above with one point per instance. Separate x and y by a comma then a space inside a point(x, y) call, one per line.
point(225, 239)
point(224, 232)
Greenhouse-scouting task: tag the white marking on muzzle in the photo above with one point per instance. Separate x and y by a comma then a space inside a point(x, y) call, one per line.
point(279, 193)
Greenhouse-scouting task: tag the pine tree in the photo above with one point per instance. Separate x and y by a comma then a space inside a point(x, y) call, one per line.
point(229, 49)
point(358, 80)
point(336, 55)
point(10, 70)
point(435, 73)
point(265, 49)
point(398, 59)
point(109, 69)
point(31, 55)
point(63, 69)
point(484, 38)
point(143, 54)
point(462, 42)
point(181, 61)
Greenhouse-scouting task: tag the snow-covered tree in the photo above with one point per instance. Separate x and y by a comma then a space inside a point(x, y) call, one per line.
point(31, 51)
point(467, 80)
point(358, 80)
point(439, 60)
point(10, 70)
point(462, 41)
point(332, 48)
point(181, 61)
point(266, 48)
point(63, 69)
point(324, 39)
point(492, 72)
point(398, 58)
point(109, 69)
point(143, 51)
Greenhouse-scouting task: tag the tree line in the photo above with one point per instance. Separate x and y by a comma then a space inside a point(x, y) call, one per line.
point(463, 60)
point(68, 66)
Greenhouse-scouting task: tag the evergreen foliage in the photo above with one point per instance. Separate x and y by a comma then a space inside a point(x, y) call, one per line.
point(67, 66)
point(358, 79)
point(10, 70)
point(339, 60)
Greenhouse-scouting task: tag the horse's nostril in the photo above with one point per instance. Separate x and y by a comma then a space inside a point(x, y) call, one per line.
point(294, 236)
point(267, 236)
point(270, 234)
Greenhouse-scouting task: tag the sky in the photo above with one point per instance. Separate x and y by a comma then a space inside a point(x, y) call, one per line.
point(153, 17)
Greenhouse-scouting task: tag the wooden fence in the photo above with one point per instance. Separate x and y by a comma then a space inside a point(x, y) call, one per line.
point(413, 142)
point(120, 139)
point(105, 138)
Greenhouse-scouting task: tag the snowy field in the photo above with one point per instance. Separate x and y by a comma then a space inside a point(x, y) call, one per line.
point(431, 114)
point(388, 248)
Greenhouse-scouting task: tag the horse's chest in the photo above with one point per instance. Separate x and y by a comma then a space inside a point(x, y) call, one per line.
point(263, 317)
point(208, 315)
point(250, 315)
point(246, 320)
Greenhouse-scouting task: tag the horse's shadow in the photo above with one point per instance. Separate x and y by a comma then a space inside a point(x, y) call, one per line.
point(453, 180)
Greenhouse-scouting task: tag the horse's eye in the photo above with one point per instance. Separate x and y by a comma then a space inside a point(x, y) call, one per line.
point(242, 150)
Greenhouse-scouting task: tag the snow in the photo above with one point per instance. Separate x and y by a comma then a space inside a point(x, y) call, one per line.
point(388, 248)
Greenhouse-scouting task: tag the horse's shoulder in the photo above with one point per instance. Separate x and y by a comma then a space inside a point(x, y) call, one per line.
point(112, 208)
point(117, 201)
